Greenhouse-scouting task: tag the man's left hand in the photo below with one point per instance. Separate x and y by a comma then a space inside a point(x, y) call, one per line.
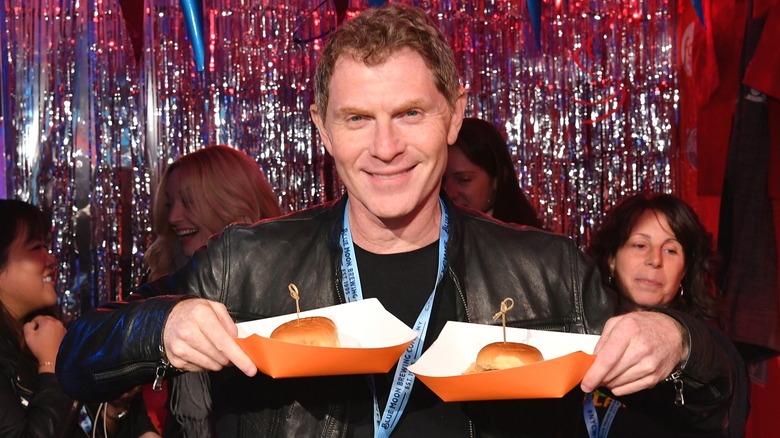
point(636, 351)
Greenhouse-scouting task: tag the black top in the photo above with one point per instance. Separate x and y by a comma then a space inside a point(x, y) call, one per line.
point(555, 287)
point(33, 404)
point(402, 283)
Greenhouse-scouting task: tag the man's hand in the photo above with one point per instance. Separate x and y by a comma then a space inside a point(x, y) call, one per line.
point(636, 351)
point(198, 336)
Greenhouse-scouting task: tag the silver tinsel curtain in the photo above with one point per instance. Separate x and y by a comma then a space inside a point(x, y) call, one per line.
point(88, 126)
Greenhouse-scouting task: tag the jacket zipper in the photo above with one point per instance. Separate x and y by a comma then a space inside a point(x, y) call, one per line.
point(159, 374)
point(455, 282)
point(123, 371)
point(676, 379)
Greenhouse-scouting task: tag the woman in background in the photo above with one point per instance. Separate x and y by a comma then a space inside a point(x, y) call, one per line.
point(31, 401)
point(480, 175)
point(199, 195)
point(655, 252)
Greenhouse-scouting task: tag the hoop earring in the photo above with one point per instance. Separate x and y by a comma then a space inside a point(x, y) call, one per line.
point(682, 291)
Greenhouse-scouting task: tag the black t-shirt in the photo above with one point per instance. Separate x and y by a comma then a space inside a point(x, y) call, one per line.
point(402, 283)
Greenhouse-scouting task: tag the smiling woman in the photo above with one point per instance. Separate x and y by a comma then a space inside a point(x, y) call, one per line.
point(31, 399)
point(199, 195)
point(27, 269)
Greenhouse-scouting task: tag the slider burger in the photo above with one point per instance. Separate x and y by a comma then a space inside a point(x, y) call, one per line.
point(503, 355)
point(317, 331)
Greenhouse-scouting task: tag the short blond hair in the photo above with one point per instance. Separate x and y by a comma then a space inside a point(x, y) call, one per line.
point(379, 32)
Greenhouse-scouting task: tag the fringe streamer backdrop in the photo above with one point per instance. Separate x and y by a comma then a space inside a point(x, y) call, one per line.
point(92, 121)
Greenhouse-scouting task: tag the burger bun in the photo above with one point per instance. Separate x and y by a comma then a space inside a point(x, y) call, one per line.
point(317, 331)
point(503, 355)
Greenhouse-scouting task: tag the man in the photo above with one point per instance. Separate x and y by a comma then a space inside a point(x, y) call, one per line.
point(388, 102)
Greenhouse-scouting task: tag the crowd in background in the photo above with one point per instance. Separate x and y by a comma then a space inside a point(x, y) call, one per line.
point(652, 250)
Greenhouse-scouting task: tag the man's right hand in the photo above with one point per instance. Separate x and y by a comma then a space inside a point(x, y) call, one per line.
point(198, 336)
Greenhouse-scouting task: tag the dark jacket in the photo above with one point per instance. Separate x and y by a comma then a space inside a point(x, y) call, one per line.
point(634, 418)
point(32, 404)
point(248, 269)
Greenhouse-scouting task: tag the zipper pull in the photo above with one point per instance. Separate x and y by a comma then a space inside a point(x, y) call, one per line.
point(159, 374)
point(676, 378)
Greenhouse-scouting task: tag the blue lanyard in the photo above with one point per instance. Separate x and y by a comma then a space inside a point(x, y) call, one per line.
point(592, 417)
point(403, 380)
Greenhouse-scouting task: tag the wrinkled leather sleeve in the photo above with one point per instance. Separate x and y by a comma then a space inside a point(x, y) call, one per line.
point(106, 352)
point(709, 376)
point(113, 349)
point(562, 293)
point(706, 360)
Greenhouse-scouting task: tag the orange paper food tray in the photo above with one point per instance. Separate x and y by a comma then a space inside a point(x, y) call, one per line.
point(372, 340)
point(440, 368)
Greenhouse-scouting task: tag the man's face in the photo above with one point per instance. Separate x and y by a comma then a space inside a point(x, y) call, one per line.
point(387, 129)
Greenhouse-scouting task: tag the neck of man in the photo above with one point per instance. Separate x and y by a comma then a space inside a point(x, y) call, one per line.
point(395, 235)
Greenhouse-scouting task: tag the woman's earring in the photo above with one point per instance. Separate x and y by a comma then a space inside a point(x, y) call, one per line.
point(682, 291)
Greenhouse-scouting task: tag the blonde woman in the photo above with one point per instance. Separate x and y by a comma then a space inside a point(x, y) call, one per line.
point(198, 196)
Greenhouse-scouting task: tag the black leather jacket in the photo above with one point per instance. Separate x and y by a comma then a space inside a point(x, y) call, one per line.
point(32, 404)
point(248, 269)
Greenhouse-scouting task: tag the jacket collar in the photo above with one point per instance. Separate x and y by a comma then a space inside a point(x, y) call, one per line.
point(337, 216)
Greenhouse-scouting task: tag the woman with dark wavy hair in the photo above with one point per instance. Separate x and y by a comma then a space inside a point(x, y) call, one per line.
point(678, 273)
point(655, 252)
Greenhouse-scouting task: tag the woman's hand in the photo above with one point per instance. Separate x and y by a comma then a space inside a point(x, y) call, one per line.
point(43, 336)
